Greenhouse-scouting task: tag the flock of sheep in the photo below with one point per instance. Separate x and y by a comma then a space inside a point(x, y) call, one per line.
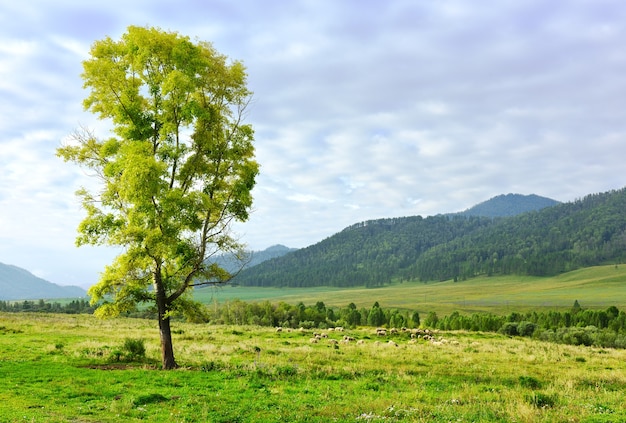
point(414, 336)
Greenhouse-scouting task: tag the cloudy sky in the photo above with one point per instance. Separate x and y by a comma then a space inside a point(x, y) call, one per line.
point(363, 109)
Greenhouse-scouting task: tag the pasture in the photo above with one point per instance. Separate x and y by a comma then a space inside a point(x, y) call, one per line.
point(73, 368)
point(595, 287)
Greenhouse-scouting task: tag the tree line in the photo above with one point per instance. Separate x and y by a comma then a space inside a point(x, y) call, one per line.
point(578, 326)
point(237, 312)
point(602, 328)
point(79, 306)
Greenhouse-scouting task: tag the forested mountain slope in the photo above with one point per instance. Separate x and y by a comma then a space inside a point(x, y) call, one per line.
point(564, 237)
point(583, 233)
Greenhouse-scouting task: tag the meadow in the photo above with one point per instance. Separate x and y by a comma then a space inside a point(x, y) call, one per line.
point(594, 287)
point(75, 368)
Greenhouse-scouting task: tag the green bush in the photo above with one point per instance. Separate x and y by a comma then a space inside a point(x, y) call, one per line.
point(134, 348)
point(525, 328)
point(509, 328)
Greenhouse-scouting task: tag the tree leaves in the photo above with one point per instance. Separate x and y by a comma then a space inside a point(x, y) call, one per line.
point(178, 170)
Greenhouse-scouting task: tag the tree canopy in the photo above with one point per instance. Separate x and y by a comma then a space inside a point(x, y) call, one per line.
point(177, 170)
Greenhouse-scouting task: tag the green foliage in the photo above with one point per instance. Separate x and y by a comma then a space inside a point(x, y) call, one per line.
point(70, 307)
point(587, 232)
point(553, 326)
point(134, 348)
point(179, 169)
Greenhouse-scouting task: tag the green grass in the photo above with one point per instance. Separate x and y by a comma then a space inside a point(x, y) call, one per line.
point(60, 368)
point(595, 287)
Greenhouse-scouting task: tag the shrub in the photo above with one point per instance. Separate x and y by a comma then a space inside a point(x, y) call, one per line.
point(526, 328)
point(509, 328)
point(134, 348)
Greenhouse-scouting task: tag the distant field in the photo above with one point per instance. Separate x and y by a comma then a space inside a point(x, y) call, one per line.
point(595, 287)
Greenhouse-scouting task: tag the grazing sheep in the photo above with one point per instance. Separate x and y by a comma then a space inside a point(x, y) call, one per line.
point(393, 331)
point(360, 342)
point(381, 332)
point(333, 341)
point(392, 343)
point(324, 335)
point(339, 329)
point(313, 340)
point(279, 329)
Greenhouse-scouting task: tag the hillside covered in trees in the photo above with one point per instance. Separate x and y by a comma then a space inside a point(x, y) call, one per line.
point(586, 232)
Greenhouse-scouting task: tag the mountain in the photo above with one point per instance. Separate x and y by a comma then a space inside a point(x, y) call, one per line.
point(509, 205)
point(19, 284)
point(543, 241)
point(252, 258)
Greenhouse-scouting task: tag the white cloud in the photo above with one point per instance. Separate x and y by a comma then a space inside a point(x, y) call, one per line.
point(362, 110)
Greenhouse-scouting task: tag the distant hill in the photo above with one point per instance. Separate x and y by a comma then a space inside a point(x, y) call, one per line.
point(19, 284)
point(252, 258)
point(542, 241)
point(509, 205)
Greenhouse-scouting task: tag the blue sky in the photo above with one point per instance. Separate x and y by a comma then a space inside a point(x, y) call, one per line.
point(362, 110)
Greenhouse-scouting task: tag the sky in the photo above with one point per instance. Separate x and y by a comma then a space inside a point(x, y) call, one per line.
point(362, 110)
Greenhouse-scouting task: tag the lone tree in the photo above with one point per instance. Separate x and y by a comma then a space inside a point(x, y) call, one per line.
point(178, 169)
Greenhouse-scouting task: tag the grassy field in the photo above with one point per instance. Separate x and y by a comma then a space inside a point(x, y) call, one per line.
point(595, 287)
point(63, 368)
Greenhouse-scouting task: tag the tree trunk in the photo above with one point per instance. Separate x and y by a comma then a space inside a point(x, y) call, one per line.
point(167, 349)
